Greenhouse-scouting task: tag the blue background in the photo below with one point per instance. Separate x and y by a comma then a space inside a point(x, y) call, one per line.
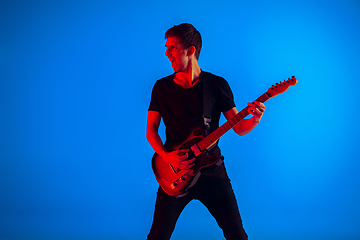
point(76, 79)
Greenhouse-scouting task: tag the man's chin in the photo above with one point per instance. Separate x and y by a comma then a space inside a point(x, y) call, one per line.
point(176, 70)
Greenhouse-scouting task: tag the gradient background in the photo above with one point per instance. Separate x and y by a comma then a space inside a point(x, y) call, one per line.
point(76, 79)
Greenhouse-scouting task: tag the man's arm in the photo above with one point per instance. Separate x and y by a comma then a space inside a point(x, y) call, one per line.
point(153, 123)
point(176, 158)
point(247, 125)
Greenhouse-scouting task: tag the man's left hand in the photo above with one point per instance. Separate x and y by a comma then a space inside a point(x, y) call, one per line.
point(257, 109)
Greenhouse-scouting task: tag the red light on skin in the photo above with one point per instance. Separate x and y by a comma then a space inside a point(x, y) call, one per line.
point(183, 62)
point(177, 54)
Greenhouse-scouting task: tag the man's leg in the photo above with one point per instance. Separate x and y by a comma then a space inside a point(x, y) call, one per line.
point(218, 196)
point(167, 212)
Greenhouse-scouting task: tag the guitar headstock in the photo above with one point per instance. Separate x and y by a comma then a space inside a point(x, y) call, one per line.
point(281, 87)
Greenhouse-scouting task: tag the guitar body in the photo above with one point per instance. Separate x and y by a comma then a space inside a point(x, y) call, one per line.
point(177, 181)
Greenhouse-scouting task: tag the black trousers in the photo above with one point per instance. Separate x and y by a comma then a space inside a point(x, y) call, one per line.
point(216, 194)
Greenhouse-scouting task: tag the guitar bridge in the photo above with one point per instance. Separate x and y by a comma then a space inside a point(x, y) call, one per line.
point(182, 179)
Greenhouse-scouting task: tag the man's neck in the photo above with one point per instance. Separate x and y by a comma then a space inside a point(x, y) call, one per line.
point(189, 77)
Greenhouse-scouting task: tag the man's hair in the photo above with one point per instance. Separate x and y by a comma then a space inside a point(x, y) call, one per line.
point(188, 35)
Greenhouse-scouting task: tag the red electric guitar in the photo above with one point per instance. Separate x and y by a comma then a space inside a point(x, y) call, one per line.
point(176, 182)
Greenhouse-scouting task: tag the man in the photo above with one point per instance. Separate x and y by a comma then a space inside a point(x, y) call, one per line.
point(178, 100)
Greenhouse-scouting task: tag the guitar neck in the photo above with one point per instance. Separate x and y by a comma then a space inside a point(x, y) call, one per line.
point(215, 135)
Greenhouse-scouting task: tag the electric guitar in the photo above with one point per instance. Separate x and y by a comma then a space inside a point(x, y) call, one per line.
point(176, 182)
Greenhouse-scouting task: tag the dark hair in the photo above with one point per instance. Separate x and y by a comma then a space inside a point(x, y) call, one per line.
point(188, 36)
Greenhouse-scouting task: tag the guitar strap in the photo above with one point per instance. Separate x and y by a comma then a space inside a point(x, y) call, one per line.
point(207, 101)
point(207, 91)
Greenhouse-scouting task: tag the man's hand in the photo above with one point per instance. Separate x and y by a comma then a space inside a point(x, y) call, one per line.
point(257, 109)
point(178, 159)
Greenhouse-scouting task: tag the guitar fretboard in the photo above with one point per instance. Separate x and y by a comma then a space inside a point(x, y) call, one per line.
point(215, 135)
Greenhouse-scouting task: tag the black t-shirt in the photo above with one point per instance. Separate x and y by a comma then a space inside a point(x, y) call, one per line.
point(182, 109)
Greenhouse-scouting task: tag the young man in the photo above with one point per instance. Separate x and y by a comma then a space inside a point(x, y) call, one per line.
point(178, 100)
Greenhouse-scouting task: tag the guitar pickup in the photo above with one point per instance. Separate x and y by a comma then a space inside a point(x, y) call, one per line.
point(182, 179)
point(196, 150)
point(175, 169)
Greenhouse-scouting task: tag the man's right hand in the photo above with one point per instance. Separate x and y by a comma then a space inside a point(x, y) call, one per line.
point(179, 159)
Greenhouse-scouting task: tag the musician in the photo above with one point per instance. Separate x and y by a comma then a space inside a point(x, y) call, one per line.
point(178, 100)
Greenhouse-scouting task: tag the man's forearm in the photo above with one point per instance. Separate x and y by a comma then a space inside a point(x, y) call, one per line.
point(156, 142)
point(245, 126)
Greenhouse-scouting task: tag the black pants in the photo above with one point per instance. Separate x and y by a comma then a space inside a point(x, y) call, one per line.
point(216, 194)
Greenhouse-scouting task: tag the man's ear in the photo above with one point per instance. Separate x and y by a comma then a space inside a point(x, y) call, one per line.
point(191, 51)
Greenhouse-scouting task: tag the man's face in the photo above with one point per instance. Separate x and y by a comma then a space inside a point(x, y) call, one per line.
point(177, 54)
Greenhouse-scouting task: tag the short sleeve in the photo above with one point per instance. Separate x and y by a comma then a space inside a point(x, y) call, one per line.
point(154, 102)
point(225, 95)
